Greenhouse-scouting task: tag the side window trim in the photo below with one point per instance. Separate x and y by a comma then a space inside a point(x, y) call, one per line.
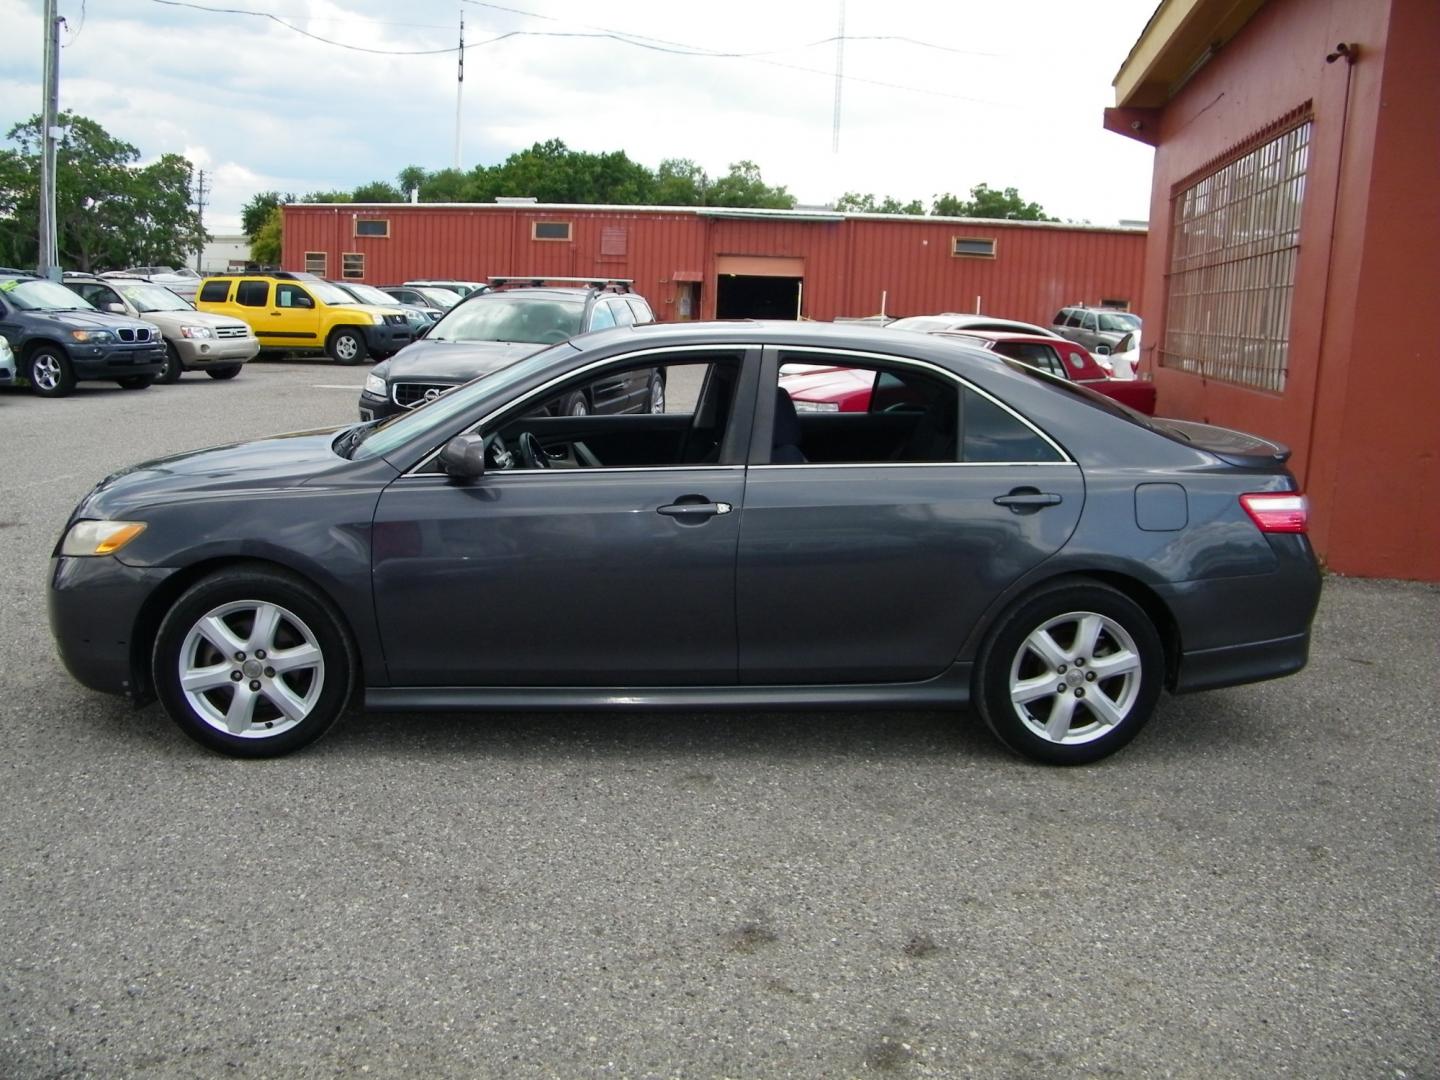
point(761, 434)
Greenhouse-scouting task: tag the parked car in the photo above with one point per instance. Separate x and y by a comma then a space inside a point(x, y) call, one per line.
point(492, 330)
point(1001, 539)
point(419, 317)
point(954, 320)
point(194, 340)
point(831, 388)
point(1093, 326)
point(59, 338)
point(431, 296)
point(8, 372)
point(1124, 358)
point(464, 288)
point(301, 312)
point(1065, 360)
point(182, 281)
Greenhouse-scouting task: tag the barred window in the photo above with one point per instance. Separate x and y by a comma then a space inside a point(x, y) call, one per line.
point(1234, 234)
point(352, 264)
point(315, 263)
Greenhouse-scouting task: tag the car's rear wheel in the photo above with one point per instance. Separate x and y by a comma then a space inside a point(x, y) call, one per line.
point(1070, 674)
point(136, 382)
point(253, 662)
point(575, 405)
point(50, 372)
point(346, 347)
point(173, 368)
point(229, 371)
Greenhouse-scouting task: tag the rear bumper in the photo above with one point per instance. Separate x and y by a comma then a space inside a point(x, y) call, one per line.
point(94, 606)
point(1232, 665)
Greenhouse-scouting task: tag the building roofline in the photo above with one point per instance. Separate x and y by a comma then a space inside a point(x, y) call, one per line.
point(1177, 41)
point(816, 216)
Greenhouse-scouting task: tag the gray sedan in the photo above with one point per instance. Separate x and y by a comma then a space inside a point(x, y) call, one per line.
point(975, 533)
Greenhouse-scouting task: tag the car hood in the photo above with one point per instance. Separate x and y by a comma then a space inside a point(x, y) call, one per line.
point(173, 320)
point(88, 320)
point(455, 361)
point(278, 461)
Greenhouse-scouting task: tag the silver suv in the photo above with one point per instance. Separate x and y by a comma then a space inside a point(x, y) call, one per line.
point(1093, 327)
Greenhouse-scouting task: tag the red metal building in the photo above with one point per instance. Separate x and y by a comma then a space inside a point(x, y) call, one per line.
point(1294, 254)
point(705, 263)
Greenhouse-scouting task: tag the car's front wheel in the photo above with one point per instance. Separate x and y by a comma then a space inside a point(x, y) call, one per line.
point(50, 372)
point(253, 662)
point(1070, 674)
point(136, 382)
point(656, 402)
point(346, 347)
point(227, 372)
point(173, 368)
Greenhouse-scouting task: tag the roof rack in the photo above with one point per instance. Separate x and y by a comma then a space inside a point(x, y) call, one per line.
point(600, 284)
point(265, 271)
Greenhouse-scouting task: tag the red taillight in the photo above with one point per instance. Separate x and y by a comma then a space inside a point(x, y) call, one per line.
point(1278, 513)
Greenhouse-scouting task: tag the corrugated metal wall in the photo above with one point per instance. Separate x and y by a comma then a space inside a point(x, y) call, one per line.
point(849, 262)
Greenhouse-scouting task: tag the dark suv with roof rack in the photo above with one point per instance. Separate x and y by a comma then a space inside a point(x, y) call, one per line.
point(491, 330)
point(60, 338)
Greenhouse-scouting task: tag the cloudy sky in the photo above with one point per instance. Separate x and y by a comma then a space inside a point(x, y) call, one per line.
point(938, 95)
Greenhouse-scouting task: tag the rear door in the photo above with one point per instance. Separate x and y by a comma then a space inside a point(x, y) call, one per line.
point(872, 565)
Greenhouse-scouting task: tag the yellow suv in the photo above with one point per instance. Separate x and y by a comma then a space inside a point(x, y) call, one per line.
point(304, 313)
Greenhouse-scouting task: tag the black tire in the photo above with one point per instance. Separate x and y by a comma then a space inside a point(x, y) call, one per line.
point(136, 382)
point(346, 347)
point(49, 372)
point(306, 631)
point(1105, 683)
point(575, 405)
point(173, 368)
point(229, 371)
point(655, 400)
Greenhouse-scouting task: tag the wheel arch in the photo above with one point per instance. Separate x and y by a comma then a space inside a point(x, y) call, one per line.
point(32, 345)
point(152, 613)
point(1129, 585)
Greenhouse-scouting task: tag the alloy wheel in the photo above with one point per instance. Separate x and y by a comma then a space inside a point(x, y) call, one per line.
point(1075, 678)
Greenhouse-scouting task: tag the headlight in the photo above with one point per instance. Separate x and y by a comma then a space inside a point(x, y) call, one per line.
point(94, 337)
point(100, 537)
point(817, 406)
point(196, 332)
point(379, 318)
point(374, 384)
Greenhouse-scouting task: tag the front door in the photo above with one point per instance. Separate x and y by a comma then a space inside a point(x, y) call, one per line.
point(294, 319)
point(604, 557)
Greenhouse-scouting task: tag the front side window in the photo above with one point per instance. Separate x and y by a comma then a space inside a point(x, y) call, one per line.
point(509, 318)
point(100, 295)
point(1234, 236)
point(292, 296)
point(146, 297)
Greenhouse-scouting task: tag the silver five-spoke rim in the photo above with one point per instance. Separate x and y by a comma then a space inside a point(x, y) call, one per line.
point(346, 347)
point(657, 398)
point(46, 372)
point(251, 669)
point(1075, 678)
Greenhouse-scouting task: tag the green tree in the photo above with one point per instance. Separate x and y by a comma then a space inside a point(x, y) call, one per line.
point(680, 182)
point(256, 212)
point(326, 197)
point(410, 178)
point(266, 243)
point(987, 202)
point(109, 211)
point(854, 202)
point(376, 191)
point(744, 186)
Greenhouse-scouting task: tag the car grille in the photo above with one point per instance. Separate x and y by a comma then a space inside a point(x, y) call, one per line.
point(127, 334)
point(396, 320)
point(232, 331)
point(410, 394)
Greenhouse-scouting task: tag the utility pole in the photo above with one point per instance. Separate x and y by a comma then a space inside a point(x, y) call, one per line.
point(459, 90)
point(200, 216)
point(48, 262)
point(839, 76)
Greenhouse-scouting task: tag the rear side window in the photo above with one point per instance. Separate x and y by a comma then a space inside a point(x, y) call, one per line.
point(1072, 318)
point(1059, 319)
point(641, 309)
point(252, 293)
point(601, 317)
point(215, 292)
point(990, 434)
point(622, 313)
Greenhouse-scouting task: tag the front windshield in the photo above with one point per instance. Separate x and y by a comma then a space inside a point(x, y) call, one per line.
point(511, 318)
point(398, 430)
point(368, 294)
point(40, 295)
point(329, 294)
point(1119, 323)
point(147, 297)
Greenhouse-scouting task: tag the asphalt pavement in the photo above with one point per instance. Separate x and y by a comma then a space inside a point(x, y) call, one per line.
point(1248, 890)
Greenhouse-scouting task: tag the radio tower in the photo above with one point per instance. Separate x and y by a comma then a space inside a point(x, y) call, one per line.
point(839, 75)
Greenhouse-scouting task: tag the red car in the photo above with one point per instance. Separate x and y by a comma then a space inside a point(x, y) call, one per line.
point(845, 389)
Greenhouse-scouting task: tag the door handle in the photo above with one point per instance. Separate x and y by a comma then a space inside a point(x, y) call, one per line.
point(694, 509)
point(1027, 500)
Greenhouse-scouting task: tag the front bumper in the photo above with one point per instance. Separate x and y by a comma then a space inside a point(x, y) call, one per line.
point(95, 606)
point(203, 353)
point(116, 361)
point(374, 407)
point(388, 339)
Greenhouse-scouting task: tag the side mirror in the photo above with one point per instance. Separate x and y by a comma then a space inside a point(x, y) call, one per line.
point(424, 331)
point(1102, 350)
point(118, 309)
point(463, 457)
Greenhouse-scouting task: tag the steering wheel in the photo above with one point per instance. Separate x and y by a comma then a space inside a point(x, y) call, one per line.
point(532, 453)
point(498, 453)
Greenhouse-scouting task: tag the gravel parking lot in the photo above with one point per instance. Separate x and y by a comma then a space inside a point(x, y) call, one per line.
point(1248, 890)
